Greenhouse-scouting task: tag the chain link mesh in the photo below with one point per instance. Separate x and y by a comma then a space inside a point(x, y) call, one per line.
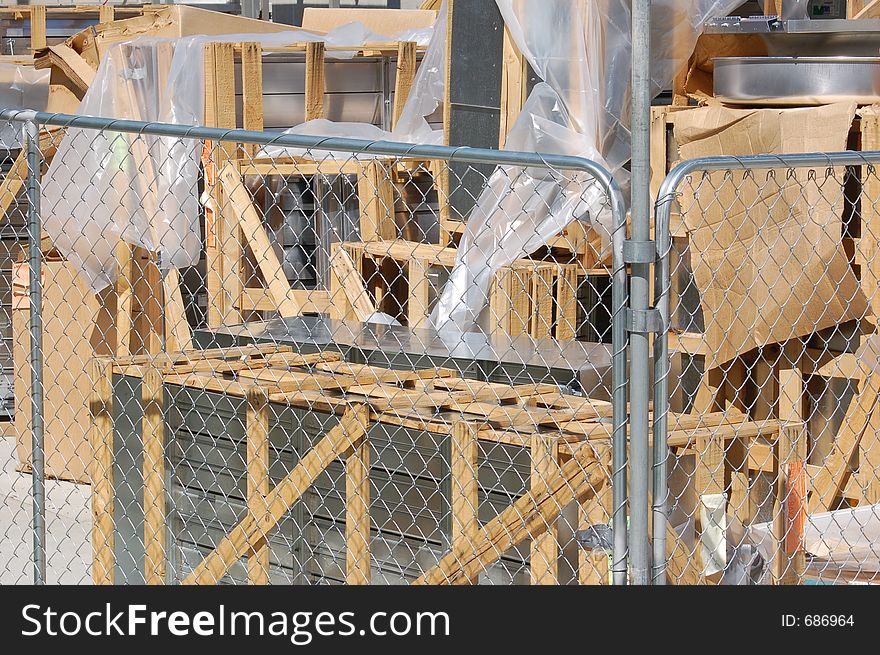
point(283, 410)
point(773, 455)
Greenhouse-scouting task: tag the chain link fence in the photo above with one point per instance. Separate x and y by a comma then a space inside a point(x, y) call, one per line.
point(241, 357)
point(769, 288)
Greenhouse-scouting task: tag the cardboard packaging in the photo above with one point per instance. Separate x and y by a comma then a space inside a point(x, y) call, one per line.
point(766, 249)
point(77, 324)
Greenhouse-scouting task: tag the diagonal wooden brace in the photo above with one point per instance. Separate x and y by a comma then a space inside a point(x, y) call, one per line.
point(529, 517)
point(251, 531)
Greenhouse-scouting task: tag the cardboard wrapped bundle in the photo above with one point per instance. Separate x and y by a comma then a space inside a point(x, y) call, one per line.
point(766, 246)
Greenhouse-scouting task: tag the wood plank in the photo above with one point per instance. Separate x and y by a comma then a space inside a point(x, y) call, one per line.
point(406, 73)
point(258, 480)
point(252, 92)
point(101, 473)
point(348, 286)
point(357, 515)
point(38, 27)
point(241, 208)
point(791, 449)
point(862, 416)
point(106, 13)
point(69, 62)
point(153, 431)
point(528, 517)
point(464, 485)
point(376, 198)
point(542, 302)
point(419, 292)
point(178, 335)
point(338, 442)
point(314, 80)
point(566, 303)
point(544, 552)
point(311, 301)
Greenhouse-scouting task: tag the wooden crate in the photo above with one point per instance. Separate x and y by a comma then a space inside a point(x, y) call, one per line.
point(568, 438)
point(228, 298)
point(530, 297)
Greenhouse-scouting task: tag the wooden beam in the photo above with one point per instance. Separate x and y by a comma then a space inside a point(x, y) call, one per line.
point(101, 473)
point(862, 416)
point(338, 442)
point(240, 207)
point(314, 80)
point(406, 73)
point(347, 286)
point(376, 198)
point(544, 552)
point(178, 335)
point(38, 27)
point(252, 92)
point(106, 13)
point(419, 293)
point(153, 426)
point(258, 480)
point(464, 492)
point(357, 515)
point(528, 517)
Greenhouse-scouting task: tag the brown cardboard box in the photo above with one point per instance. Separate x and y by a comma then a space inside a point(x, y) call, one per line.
point(76, 325)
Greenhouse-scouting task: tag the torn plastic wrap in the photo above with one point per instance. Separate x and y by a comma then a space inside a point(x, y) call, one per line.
point(143, 190)
point(21, 87)
point(582, 50)
point(519, 210)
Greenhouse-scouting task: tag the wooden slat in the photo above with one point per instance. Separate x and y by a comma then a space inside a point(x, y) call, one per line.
point(419, 292)
point(239, 206)
point(252, 92)
point(178, 335)
point(338, 442)
point(348, 288)
point(106, 13)
point(862, 417)
point(357, 515)
point(406, 73)
point(101, 473)
point(152, 392)
point(544, 554)
point(258, 480)
point(38, 27)
point(314, 80)
point(376, 199)
point(528, 517)
point(464, 485)
point(566, 303)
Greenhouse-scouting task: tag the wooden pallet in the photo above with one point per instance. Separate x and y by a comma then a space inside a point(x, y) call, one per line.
point(568, 437)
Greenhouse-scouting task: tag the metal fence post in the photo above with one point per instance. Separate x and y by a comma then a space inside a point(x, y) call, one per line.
point(641, 232)
point(32, 138)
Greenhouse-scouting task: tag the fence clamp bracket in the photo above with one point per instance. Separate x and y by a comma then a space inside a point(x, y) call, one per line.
point(639, 252)
point(644, 321)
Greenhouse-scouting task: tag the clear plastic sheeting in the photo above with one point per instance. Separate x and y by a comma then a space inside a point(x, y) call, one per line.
point(138, 189)
point(582, 51)
point(21, 87)
point(840, 540)
point(519, 210)
point(425, 96)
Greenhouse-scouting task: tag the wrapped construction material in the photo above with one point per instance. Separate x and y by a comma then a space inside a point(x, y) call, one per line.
point(24, 87)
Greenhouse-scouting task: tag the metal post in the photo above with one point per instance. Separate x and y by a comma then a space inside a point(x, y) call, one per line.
point(639, 285)
point(32, 138)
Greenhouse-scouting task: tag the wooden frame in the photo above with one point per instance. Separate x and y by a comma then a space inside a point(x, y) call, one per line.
point(568, 436)
point(536, 298)
point(229, 225)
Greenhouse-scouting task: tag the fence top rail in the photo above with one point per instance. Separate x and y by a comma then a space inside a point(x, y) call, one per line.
point(674, 178)
point(389, 148)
